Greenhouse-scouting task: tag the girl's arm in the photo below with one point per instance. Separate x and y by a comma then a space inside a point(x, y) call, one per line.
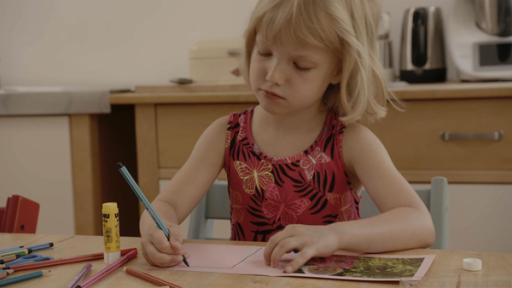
point(184, 191)
point(404, 222)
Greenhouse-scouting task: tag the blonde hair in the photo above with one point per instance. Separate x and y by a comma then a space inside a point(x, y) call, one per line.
point(347, 28)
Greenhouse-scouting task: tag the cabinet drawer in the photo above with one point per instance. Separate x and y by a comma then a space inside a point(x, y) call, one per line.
point(180, 125)
point(468, 153)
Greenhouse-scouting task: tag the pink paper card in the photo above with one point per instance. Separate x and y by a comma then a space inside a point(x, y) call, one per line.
point(242, 259)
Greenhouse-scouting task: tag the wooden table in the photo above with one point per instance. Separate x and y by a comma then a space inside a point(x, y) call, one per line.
point(445, 271)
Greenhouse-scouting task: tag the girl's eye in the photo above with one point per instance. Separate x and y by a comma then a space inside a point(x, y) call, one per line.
point(301, 68)
point(264, 53)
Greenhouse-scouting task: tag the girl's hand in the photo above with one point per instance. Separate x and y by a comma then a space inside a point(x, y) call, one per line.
point(308, 240)
point(160, 252)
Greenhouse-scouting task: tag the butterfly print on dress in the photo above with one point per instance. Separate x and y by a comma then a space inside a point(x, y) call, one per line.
point(285, 211)
point(310, 162)
point(258, 174)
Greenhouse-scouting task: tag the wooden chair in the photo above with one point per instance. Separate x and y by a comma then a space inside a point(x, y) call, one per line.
point(19, 215)
point(436, 200)
point(214, 206)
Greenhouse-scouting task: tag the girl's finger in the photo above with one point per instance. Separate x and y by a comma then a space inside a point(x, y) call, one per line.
point(176, 246)
point(160, 242)
point(156, 258)
point(272, 242)
point(175, 232)
point(299, 260)
point(285, 246)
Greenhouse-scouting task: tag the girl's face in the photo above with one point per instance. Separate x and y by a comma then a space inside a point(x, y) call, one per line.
point(290, 77)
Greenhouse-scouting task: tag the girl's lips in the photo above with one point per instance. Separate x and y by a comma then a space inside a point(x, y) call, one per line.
point(270, 94)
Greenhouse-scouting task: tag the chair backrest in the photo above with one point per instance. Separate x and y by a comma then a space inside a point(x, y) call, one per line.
point(436, 200)
point(213, 206)
point(20, 215)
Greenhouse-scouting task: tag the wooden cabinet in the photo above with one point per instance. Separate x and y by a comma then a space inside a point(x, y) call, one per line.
point(466, 140)
point(461, 131)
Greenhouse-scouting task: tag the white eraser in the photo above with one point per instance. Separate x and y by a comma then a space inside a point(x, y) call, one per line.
point(472, 264)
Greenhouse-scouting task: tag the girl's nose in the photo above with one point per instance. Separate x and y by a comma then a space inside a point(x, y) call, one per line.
point(275, 72)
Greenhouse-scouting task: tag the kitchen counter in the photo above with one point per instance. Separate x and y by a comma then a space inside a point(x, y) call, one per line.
point(24, 101)
point(241, 93)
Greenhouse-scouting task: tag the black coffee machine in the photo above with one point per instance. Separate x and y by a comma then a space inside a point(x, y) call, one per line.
point(422, 49)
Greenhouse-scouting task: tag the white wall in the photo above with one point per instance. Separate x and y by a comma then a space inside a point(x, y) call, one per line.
point(110, 43)
point(35, 162)
point(118, 43)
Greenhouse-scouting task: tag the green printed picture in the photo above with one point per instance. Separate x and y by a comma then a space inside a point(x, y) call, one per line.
point(363, 267)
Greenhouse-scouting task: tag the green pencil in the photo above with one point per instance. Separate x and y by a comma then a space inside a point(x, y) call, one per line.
point(20, 278)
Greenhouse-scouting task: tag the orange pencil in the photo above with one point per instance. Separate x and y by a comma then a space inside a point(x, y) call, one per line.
point(149, 278)
point(77, 259)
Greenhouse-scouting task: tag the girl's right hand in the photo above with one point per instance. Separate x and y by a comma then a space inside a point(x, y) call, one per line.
point(160, 252)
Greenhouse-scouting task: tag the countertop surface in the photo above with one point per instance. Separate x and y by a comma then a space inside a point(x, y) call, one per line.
point(197, 93)
point(25, 101)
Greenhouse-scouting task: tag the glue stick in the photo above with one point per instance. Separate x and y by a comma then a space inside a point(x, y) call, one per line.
point(110, 216)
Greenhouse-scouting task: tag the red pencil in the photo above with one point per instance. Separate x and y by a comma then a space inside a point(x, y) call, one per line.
point(150, 278)
point(56, 262)
point(107, 270)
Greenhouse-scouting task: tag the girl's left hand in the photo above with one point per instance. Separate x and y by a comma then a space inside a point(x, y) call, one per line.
point(308, 240)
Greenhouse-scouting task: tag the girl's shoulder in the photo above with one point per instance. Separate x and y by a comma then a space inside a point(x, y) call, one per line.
point(239, 116)
point(234, 117)
point(358, 140)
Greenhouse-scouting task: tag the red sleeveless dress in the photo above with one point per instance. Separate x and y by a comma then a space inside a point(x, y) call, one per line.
point(269, 193)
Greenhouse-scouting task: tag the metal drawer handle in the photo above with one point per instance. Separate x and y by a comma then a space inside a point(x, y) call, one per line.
point(495, 136)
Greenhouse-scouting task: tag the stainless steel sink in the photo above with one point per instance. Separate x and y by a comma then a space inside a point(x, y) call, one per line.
point(25, 100)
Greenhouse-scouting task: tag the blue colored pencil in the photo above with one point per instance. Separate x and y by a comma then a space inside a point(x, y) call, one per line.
point(40, 247)
point(20, 278)
point(142, 198)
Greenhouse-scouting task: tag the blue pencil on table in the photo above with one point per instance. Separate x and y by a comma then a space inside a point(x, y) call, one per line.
point(142, 198)
point(39, 247)
point(30, 248)
point(20, 278)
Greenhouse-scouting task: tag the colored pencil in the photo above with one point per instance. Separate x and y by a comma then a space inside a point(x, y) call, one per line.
point(20, 251)
point(107, 270)
point(56, 262)
point(3, 250)
point(149, 278)
point(142, 198)
point(20, 278)
point(40, 247)
point(30, 248)
point(5, 273)
point(81, 275)
point(8, 258)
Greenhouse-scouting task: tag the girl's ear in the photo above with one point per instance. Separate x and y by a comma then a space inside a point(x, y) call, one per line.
point(336, 78)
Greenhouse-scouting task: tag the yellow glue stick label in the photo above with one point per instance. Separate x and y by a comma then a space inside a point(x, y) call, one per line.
point(110, 216)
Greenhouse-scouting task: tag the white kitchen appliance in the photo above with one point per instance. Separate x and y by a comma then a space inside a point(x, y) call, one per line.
point(477, 55)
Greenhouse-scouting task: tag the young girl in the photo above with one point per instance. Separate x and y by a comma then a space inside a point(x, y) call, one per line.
point(296, 161)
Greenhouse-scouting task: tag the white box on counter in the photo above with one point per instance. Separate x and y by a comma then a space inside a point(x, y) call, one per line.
point(212, 61)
